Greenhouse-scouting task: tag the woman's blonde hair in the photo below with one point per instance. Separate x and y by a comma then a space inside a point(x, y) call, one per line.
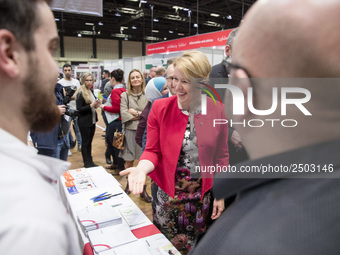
point(193, 64)
point(84, 90)
point(129, 84)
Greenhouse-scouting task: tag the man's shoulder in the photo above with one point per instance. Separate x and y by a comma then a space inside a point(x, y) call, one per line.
point(218, 71)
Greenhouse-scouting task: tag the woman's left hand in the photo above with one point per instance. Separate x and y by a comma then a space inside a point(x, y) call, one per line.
point(218, 207)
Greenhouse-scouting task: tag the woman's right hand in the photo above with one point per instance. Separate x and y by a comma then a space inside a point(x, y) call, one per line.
point(136, 179)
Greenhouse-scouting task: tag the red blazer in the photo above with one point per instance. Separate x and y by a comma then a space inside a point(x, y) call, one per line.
point(166, 127)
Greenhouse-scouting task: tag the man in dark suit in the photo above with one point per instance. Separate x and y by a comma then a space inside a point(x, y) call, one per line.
point(283, 214)
point(218, 74)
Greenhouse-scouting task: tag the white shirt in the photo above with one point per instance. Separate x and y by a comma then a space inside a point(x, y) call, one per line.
point(72, 82)
point(33, 218)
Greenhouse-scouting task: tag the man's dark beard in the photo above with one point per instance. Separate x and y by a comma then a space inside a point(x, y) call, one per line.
point(40, 108)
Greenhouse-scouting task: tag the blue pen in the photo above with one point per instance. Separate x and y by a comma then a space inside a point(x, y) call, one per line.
point(98, 196)
point(106, 197)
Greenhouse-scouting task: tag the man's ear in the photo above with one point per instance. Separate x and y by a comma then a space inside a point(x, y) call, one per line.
point(8, 54)
point(227, 51)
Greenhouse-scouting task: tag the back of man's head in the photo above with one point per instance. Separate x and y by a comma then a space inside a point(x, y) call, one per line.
point(13, 17)
point(285, 39)
point(160, 71)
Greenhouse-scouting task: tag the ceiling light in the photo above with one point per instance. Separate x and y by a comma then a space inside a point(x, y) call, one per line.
point(195, 25)
point(79, 35)
point(98, 32)
point(89, 24)
point(214, 15)
point(152, 38)
point(100, 23)
point(180, 34)
point(212, 24)
point(133, 27)
point(117, 14)
point(155, 20)
point(171, 32)
point(143, 2)
point(174, 17)
point(155, 31)
point(56, 19)
point(126, 39)
point(229, 17)
point(127, 10)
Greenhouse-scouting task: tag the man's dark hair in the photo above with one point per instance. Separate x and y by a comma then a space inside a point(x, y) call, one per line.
point(170, 61)
point(118, 74)
point(67, 65)
point(107, 72)
point(21, 18)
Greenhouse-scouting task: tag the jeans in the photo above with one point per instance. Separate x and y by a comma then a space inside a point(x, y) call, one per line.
point(76, 131)
point(110, 129)
point(63, 147)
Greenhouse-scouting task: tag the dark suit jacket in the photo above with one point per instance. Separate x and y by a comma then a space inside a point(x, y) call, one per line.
point(85, 112)
point(286, 216)
point(220, 70)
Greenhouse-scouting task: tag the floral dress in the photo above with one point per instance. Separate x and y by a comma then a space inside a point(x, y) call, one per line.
point(182, 218)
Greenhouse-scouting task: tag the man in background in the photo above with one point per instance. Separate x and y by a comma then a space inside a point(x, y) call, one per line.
point(106, 78)
point(160, 71)
point(219, 74)
point(33, 218)
point(71, 84)
point(281, 213)
point(152, 74)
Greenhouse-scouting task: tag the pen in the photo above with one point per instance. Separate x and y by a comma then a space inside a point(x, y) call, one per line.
point(107, 197)
point(100, 195)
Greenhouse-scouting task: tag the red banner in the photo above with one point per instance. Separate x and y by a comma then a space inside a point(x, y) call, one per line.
point(188, 43)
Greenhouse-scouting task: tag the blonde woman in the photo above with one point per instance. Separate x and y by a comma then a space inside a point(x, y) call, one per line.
point(86, 106)
point(182, 201)
point(133, 102)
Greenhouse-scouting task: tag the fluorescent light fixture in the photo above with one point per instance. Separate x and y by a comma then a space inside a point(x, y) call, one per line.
point(212, 24)
point(171, 32)
point(185, 9)
point(195, 25)
point(79, 35)
point(56, 19)
point(143, 2)
point(155, 20)
point(89, 24)
point(214, 14)
point(100, 23)
point(127, 10)
point(126, 39)
point(117, 14)
point(229, 17)
point(152, 38)
point(180, 34)
point(133, 27)
point(155, 31)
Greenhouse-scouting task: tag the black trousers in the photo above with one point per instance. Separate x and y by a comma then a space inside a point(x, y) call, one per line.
point(110, 129)
point(87, 134)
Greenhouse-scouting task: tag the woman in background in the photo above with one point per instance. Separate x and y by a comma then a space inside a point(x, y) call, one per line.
point(133, 102)
point(86, 106)
point(117, 77)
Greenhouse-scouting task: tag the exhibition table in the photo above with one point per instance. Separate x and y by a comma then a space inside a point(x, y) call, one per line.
point(79, 187)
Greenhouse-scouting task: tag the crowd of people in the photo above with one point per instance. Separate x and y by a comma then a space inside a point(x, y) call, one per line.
point(166, 131)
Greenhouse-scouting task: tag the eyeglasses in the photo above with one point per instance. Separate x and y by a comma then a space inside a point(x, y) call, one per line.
point(236, 66)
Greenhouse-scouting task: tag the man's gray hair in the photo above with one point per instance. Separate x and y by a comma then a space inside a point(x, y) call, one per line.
point(231, 37)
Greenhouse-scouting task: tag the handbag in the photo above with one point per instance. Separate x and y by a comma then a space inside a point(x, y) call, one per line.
point(118, 140)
